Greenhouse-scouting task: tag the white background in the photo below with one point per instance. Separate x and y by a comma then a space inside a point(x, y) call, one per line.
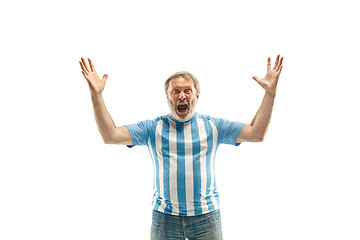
point(58, 180)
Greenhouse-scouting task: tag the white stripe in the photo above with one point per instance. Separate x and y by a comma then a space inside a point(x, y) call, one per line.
point(173, 168)
point(158, 145)
point(154, 169)
point(189, 179)
point(203, 149)
point(215, 136)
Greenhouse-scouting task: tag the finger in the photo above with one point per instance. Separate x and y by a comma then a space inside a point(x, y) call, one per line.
point(91, 65)
point(84, 63)
point(85, 75)
point(83, 68)
point(280, 64)
point(280, 70)
point(276, 62)
point(88, 81)
point(268, 64)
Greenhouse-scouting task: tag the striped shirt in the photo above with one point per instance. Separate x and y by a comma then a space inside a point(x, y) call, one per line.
point(183, 155)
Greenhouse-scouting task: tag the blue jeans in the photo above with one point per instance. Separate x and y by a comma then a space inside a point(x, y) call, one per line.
point(202, 227)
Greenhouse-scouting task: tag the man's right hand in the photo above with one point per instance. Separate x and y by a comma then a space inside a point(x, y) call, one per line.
point(96, 84)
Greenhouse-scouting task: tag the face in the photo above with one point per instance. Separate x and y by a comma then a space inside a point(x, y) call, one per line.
point(182, 98)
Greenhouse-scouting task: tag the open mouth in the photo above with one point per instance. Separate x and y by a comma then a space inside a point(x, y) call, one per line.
point(182, 108)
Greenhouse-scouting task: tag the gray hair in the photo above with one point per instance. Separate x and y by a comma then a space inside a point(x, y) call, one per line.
point(185, 75)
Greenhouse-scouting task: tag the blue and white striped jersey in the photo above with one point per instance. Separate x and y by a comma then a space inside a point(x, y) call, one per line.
point(183, 155)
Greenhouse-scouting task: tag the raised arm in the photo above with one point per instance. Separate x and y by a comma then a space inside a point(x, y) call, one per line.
point(255, 132)
point(109, 132)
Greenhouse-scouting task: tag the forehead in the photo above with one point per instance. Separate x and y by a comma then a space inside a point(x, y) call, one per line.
point(181, 82)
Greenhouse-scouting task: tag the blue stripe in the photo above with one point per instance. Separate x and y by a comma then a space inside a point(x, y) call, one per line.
point(166, 166)
point(215, 193)
point(157, 203)
point(180, 146)
point(196, 167)
point(157, 182)
point(210, 143)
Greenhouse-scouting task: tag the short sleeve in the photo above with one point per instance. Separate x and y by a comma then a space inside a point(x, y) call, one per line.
point(228, 131)
point(139, 132)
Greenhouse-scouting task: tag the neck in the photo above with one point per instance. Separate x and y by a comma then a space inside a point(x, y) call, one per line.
point(182, 119)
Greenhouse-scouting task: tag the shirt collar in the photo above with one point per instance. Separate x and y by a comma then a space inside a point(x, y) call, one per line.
point(193, 118)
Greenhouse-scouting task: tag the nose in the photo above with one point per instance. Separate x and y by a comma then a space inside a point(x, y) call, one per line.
point(182, 95)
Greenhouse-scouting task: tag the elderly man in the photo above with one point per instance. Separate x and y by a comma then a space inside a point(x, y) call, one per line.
point(183, 146)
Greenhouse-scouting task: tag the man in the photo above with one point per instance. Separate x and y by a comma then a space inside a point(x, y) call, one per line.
point(183, 146)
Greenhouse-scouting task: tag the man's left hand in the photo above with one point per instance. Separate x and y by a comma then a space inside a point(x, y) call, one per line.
point(269, 82)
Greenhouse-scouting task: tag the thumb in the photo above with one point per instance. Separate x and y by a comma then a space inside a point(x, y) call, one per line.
point(256, 78)
point(105, 77)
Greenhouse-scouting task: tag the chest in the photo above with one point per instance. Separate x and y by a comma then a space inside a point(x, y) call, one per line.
point(192, 138)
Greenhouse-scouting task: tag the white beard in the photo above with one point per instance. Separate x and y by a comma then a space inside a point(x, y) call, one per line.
point(179, 115)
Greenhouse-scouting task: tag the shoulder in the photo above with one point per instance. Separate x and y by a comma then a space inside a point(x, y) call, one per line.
point(208, 118)
point(157, 119)
point(205, 117)
point(151, 123)
point(161, 118)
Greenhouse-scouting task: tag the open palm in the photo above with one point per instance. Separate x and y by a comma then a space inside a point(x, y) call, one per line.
point(269, 82)
point(96, 84)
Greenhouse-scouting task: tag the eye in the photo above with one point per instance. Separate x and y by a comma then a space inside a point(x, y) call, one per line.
point(188, 91)
point(176, 91)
